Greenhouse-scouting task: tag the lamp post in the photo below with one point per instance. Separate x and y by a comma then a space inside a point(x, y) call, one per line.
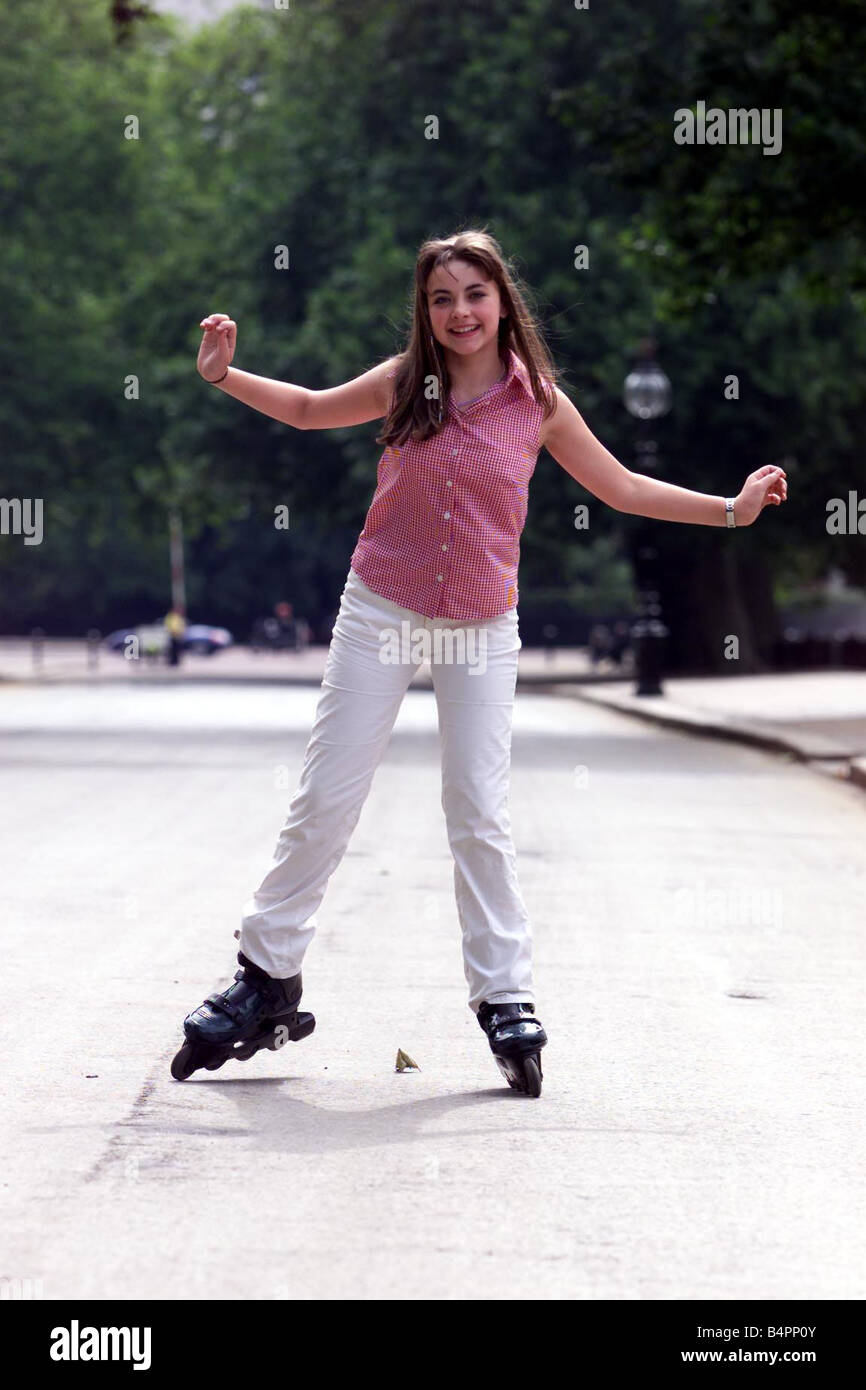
point(647, 395)
point(175, 547)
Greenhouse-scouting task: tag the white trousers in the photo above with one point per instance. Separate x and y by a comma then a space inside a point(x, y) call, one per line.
point(376, 648)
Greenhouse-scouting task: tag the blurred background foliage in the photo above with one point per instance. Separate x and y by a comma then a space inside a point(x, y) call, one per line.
point(305, 127)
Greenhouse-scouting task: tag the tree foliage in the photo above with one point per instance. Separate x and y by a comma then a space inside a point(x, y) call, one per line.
point(308, 129)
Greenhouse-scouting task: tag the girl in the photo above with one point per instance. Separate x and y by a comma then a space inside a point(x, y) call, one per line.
point(467, 407)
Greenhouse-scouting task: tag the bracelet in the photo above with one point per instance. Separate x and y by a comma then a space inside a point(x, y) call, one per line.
point(217, 379)
point(730, 519)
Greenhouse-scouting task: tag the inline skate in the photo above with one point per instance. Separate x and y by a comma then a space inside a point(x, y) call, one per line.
point(516, 1039)
point(256, 1011)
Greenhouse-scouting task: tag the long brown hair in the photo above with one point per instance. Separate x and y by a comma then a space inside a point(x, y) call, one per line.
point(413, 413)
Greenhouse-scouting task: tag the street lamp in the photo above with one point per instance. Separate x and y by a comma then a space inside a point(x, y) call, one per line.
point(646, 390)
point(647, 395)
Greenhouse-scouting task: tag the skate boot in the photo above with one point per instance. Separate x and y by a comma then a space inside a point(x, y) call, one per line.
point(256, 1011)
point(516, 1039)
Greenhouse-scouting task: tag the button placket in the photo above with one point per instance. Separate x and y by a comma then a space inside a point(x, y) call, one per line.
point(449, 482)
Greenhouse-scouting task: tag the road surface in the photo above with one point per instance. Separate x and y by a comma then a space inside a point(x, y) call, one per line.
point(699, 951)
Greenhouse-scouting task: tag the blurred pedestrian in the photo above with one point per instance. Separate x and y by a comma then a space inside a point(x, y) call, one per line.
point(600, 643)
point(287, 628)
point(620, 641)
point(175, 624)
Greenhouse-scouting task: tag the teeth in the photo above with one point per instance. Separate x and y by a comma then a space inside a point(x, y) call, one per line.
point(461, 332)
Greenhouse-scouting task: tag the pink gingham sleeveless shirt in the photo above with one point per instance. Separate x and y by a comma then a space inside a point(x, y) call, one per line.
point(442, 534)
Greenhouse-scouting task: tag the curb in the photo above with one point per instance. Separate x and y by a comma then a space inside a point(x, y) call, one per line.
point(657, 709)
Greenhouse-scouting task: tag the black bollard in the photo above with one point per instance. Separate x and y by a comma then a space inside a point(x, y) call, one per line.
point(648, 636)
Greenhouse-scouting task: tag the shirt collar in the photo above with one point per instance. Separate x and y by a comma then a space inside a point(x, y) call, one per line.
point(515, 371)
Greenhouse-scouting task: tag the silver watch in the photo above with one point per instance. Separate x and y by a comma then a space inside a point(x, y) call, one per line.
point(729, 511)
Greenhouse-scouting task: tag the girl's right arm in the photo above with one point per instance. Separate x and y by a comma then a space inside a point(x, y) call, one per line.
point(366, 397)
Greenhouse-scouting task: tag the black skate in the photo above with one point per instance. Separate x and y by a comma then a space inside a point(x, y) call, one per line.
point(516, 1039)
point(255, 1012)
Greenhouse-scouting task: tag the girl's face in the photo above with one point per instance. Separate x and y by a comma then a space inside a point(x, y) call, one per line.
point(461, 296)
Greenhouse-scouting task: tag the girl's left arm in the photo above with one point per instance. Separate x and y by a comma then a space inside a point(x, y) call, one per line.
point(651, 497)
point(567, 437)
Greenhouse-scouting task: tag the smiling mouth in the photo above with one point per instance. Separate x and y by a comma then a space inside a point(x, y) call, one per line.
point(465, 332)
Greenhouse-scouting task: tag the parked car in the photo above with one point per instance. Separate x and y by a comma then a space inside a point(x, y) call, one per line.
point(199, 638)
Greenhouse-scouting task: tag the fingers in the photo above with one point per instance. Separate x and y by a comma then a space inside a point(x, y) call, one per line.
point(212, 320)
point(775, 483)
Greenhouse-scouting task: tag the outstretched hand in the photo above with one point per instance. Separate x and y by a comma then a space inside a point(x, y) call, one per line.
point(217, 345)
point(766, 487)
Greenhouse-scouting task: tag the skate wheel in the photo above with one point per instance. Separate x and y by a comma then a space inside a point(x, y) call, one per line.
point(184, 1064)
point(508, 1074)
point(532, 1073)
point(245, 1052)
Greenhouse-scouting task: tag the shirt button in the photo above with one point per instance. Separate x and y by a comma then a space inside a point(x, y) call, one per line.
point(447, 514)
point(448, 483)
point(445, 546)
point(438, 576)
point(454, 451)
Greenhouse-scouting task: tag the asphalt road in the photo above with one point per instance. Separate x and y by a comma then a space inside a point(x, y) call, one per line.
point(697, 910)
